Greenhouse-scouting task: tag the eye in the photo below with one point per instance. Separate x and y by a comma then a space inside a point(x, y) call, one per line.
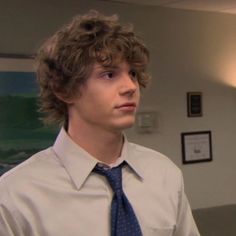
point(108, 75)
point(133, 73)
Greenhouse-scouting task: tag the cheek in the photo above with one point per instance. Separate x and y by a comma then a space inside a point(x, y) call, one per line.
point(97, 102)
point(138, 94)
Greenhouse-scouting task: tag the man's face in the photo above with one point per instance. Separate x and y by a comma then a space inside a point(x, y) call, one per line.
point(108, 100)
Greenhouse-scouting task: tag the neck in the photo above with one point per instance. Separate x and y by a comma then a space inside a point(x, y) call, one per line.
point(104, 145)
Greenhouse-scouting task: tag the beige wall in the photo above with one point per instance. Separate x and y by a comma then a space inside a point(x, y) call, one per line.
point(190, 51)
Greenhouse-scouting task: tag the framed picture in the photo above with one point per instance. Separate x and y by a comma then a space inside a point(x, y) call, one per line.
point(196, 147)
point(194, 104)
point(21, 132)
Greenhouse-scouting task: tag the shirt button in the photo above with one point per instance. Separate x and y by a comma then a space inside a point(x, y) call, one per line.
point(100, 164)
point(104, 167)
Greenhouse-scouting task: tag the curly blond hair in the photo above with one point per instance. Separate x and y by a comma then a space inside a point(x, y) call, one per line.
point(65, 60)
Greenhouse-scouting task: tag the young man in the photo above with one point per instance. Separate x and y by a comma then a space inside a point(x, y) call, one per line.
point(90, 73)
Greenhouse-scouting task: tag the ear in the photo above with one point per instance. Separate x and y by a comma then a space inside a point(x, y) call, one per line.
point(61, 93)
point(68, 95)
point(64, 97)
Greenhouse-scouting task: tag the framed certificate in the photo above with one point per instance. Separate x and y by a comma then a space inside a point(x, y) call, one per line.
point(196, 147)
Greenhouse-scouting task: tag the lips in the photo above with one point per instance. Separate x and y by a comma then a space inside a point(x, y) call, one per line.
point(130, 106)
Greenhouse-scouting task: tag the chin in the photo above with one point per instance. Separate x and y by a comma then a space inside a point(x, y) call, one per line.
point(125, 125)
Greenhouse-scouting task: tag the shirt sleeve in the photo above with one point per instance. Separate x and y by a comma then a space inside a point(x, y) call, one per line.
point(186, 225)
point(8, 225)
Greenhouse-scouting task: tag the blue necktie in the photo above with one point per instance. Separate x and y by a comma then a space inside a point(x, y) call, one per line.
point(123, 219)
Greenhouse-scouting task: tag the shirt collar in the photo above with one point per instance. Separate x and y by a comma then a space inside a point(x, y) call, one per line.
point(129, 156)
point(79, 163)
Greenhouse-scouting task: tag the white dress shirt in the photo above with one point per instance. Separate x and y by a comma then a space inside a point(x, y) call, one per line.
point(55, 193)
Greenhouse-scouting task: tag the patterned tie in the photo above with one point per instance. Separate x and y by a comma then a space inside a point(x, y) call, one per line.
point(123, 219)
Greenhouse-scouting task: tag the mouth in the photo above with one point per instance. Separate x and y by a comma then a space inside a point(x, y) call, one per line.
point(129, 107)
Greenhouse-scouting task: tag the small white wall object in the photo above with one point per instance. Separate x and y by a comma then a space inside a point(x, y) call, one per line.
point(146, 122)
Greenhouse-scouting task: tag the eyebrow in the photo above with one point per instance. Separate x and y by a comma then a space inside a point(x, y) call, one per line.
point(98, 69)
point(101, 67)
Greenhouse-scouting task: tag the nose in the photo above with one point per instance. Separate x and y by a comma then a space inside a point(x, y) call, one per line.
point(128, 86)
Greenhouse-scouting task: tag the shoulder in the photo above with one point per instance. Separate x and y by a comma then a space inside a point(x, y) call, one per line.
point(145, 154)
point(18, 185)
point(154, 163)
point(33, 167)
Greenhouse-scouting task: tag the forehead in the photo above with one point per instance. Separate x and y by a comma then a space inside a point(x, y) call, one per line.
point(117, 65)
point(109, 56)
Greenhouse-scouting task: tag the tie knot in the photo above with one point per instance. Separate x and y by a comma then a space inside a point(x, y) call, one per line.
point(113, 175)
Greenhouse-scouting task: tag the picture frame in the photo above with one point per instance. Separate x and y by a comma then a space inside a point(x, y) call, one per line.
point(194, 104)
point(22, 133)
point(196, 147)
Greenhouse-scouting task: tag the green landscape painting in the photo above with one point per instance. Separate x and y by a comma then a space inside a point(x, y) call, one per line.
point(21, 131)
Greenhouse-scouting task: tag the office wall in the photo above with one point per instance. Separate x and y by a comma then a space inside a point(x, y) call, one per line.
point(190, 51)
